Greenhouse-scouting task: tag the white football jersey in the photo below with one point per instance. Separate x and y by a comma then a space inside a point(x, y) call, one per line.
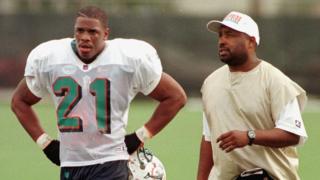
point(92, 100)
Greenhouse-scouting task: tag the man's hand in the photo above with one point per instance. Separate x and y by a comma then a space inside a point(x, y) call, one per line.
point(233, 139)
point(52, 151)
point(132, 142)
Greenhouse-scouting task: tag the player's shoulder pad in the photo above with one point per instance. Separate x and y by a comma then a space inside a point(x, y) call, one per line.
point(133, 48)
point(49, 47)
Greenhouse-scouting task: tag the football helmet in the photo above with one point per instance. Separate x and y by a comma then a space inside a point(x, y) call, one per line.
point(143, 165)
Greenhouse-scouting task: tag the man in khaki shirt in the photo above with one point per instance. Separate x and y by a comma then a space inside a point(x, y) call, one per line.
point(252, 111)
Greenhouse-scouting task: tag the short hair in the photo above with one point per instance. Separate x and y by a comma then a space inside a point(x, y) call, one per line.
point(94, 12)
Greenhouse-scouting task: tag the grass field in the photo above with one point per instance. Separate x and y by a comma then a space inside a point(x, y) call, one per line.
point(177, 146)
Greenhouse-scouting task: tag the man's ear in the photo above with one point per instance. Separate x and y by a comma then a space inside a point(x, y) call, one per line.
point(106, 34)
point(252, 43)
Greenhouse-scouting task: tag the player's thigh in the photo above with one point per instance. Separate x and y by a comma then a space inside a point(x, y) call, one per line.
point(114, 170)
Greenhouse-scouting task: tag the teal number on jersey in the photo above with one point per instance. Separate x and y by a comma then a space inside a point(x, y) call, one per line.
point(72, 93)
point(100, 88)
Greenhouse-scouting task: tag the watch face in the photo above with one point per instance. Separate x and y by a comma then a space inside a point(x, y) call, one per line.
point(251, 134)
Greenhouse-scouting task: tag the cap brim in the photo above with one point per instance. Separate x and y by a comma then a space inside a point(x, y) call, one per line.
point(214, 26)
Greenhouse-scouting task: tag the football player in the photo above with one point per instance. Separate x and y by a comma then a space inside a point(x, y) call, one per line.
point(92, 81)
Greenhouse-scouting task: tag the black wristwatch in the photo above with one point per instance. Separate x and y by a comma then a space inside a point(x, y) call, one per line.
point(251, 135)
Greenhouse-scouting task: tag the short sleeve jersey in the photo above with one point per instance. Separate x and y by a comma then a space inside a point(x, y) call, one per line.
point(92, 100)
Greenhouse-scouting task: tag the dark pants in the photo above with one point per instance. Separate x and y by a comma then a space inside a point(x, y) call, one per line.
point(114, 170)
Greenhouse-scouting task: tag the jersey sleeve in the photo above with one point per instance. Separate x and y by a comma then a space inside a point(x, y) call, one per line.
point(283, 90)
point(290, 120)
point(149, 70)
point(205, 128)
point(33, 72)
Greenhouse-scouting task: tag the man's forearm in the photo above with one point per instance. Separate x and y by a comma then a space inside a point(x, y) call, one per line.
point(164, 113)
point(28, 119)
point(276, 138)
point(21, 105)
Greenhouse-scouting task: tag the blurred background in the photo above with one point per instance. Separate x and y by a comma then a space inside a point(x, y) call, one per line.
point(176, 28)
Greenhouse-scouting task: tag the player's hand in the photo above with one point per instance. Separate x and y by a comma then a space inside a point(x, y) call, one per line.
point(132, 142)
point(232, 140)
point(52, 151)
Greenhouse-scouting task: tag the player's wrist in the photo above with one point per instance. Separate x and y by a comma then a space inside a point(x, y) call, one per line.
point(132, 142)
point(43, 140)
point(52, 151)
point(143, 134)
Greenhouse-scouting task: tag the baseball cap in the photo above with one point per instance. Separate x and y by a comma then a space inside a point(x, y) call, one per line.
point(239, 22)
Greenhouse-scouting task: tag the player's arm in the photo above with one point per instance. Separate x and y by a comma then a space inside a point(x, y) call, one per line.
point(276, 138)
point(21, 105)
point(22, 101)
point(205, 160)
point(172, 98)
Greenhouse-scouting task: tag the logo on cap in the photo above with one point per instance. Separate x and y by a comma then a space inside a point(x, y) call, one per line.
point(233, 18)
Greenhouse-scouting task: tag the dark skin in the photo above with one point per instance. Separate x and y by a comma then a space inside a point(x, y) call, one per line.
point(238, 50)
point(22, 101)
point(170, 94)
point(90, 35)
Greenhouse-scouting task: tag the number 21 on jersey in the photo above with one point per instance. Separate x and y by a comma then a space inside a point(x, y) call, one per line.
point(71, 92)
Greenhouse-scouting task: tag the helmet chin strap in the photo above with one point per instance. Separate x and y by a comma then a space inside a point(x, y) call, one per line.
point(147, 155)
point(144, 165)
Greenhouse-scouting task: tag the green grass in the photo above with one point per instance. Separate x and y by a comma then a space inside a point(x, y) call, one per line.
point(177, 146)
